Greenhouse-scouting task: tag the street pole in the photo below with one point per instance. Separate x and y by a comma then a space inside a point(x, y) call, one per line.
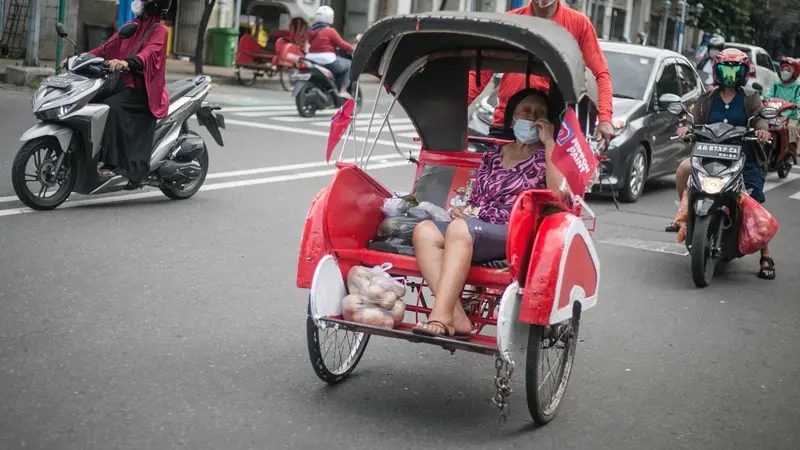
point(62, 6)
point(32, 50)
point(681, 27)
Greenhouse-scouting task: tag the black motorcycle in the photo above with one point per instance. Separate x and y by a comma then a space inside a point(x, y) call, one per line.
point(315, 89)
point(714, 215)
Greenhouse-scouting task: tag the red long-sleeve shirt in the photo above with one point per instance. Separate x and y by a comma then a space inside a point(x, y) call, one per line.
point(582, 30)
point(327, 40)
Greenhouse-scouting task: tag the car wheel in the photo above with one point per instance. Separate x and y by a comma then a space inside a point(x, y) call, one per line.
point(635, 176)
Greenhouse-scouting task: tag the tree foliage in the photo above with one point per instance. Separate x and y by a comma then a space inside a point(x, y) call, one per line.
point(728, 17)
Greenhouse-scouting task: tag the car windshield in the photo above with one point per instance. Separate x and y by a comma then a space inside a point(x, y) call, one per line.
point(629, 74)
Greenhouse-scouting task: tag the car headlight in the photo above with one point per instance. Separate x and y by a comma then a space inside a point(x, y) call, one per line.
point(619, 125)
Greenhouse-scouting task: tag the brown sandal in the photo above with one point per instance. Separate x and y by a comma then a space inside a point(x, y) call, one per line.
point(458, 336)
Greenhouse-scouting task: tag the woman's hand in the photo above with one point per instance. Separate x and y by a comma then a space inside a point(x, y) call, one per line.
point(64, 63)
point(458, 212)
point(116, 65)
point(763, 136)
point(683, 130)
point(546, 131)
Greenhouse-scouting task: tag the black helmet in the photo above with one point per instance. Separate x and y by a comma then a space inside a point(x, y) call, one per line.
point(156, 7)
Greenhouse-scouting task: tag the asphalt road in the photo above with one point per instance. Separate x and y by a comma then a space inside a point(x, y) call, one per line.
point(145, 323)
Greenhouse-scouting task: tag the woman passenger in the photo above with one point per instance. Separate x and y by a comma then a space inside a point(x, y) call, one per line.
point(445, 250)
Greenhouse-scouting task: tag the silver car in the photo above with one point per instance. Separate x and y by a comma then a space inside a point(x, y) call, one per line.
point(762, 71)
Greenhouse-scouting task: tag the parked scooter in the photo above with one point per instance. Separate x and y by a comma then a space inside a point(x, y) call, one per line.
point(315, 89)
point(714, 215)
point(64, 147)
point(778, 157)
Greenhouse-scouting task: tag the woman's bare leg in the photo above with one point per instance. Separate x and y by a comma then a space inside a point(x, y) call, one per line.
point(429, 247)
point(456, 262)
point(429, 250)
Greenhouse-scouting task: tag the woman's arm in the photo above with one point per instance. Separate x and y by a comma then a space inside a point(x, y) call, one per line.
point(552, 176)
point(477, 196)
point(338, 42)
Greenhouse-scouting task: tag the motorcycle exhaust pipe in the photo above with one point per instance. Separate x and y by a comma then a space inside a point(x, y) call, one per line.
point(173, 171)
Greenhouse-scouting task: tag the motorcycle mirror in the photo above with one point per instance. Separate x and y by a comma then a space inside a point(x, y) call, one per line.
point(769, 113)
point(60, 30)
point(128, 30)
point(676, 109)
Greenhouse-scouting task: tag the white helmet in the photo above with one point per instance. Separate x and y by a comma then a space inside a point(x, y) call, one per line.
point(324, 14)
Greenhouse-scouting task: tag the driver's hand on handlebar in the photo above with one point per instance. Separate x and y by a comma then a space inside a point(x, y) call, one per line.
point(605, 130)
point(116, 65)
point(763, 136)
point(683, 130)
point(64, 63)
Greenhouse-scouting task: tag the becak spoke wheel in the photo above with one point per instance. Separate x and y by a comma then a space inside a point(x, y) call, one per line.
point(551, 351)
point(334, 353)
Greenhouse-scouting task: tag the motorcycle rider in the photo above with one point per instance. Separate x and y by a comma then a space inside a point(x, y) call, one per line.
point(323, 41)
point(705, 66)
point(733, 104)
point(788, 89)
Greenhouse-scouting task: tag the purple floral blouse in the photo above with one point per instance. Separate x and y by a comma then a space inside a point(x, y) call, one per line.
point(496, 188)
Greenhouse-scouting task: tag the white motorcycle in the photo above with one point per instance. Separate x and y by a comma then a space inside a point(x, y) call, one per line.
point(61, 153)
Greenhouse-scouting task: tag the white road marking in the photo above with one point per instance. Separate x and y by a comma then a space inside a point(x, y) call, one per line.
point(264, 114)
point(795, 196)
point(287, 108)
point(413, 134)
point(270, 126)
point(375, 127)
point(670, 248)
point(260, 170)
point(292, 119)
point(207, 187)
point(773, 181)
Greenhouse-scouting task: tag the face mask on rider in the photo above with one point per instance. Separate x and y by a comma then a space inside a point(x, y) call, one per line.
point(525, 132)
point(786, 75)
point(137, 7)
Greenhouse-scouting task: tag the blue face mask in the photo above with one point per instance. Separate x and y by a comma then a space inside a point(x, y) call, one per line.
point(525, 132)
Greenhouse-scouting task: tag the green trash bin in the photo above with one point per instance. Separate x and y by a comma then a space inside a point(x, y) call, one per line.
point(223, 44)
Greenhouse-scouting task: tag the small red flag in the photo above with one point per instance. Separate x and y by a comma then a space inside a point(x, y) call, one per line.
point(339, 123)
point(572, 154)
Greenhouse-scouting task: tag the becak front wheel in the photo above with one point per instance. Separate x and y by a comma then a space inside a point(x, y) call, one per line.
point(334, 353)
point(551, 351)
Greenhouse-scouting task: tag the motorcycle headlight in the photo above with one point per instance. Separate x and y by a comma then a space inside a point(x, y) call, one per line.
point(697, 164)
point(733, 168)
point(56, 113)
point(711, 185)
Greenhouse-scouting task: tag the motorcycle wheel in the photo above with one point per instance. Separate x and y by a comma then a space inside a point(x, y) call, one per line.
point(305, 107)
point(703, 263)
point(43, 163)
point(784, 168)
point(184, 191)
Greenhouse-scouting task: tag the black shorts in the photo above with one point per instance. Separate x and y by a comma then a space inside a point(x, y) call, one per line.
point(488, 239)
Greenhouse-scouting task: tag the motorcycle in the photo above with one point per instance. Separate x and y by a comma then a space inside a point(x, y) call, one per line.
point(315, 89)
point(714, 216)
point(778, 157)
point(64, 145)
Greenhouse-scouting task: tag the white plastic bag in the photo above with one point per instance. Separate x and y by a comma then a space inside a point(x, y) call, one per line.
point(394, 207)
point(373, 282)
point(429, 211)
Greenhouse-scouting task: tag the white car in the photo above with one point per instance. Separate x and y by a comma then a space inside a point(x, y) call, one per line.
point(762, 71)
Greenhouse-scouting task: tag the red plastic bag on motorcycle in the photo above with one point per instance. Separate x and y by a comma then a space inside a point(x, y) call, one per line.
point(758, 226)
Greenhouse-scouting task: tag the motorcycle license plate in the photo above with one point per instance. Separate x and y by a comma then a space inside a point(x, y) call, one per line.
point(62, 81)
point(301, 77)
point(718, 151)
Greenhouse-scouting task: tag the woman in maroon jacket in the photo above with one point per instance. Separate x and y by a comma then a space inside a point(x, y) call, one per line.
point(323, 41)
point(140, 98)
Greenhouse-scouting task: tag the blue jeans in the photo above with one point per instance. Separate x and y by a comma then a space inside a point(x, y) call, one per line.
point(341, 71)
point(754, 180)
